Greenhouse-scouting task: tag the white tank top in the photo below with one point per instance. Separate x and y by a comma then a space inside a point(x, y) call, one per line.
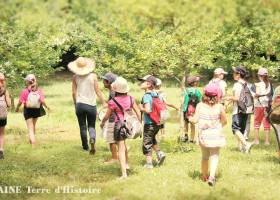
point(85, 90)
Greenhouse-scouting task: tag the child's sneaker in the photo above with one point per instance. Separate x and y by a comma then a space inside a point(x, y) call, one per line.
point(149, 166)
point(161, 157)
point(211, 181)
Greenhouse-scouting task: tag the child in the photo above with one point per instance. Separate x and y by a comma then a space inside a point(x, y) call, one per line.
point(33, 100)
point(190, 98)
point(219, 75)
point(148, 84)
point(108, 79)
point(5, 102)
point(240, 113)
point(262, 102)
point(162, 96)
point(120, 86)
point(275, 115)
point(211, 117)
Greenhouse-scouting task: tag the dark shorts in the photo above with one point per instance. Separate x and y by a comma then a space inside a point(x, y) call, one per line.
point(31, 113)
point(149, 137)
point(118, 135)
point(239, 122)
point(185, 117)
point(3, 122)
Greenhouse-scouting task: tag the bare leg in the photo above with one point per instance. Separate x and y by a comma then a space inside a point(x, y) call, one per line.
point(204, 163)
point(266, 137)
point(257, 136)
point(31, 131)
point(192, 131)
point(114, 151)
point(2, 133)
point(122, 157)
point(214, 159)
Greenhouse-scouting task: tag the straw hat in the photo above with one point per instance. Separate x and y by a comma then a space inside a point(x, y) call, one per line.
point(120, 85)
point(82, 66)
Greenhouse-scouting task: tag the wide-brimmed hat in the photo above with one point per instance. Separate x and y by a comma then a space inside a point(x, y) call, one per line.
point(149, 78)
point(120, 85)
point(263, 72)
point(110, 77)
point(82, 66)
point(220, 71)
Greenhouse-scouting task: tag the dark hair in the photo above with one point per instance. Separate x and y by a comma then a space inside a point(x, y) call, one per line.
point(120, 94)
point(210, 100)
point(266, 81)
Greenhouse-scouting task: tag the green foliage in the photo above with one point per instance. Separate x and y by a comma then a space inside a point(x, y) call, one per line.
point(133, 38)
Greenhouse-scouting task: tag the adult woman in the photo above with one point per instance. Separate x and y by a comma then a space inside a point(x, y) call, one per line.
point(33, 100)
point(84, 90)
point(121, 102)
point(5, 102)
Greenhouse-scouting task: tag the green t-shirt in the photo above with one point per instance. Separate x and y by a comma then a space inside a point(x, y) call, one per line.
point(185, 94)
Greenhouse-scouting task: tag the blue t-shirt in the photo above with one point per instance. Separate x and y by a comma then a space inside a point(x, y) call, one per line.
point(147, 98)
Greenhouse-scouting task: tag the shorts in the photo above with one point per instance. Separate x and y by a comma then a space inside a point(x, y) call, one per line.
point(110, 133)
point(3, 122)
point(239, 122)
point(31, 113)
point(149, 137)
point(185, 117)
point(260, 118)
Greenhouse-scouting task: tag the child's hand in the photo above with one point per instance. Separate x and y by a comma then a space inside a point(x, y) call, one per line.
point(102, 125)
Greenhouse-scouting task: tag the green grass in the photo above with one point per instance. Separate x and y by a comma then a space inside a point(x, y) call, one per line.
point(59, 161)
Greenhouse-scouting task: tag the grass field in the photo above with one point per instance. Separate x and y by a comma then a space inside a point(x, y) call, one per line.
point(59, 161)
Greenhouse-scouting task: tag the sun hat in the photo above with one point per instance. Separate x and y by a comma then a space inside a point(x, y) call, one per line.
point(159, 82)
point(82, 66)
point(149, 78)
point(110, 77)
point(240, 70)
point(192, 79)
point(211, 90)
point(263, 72)
point(120, 85)
point(220, 71)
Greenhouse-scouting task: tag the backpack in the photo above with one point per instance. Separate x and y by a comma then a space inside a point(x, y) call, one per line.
point(3, 107)
point(33, 99)
point(159, 113)
point(130, 127)
point(193, 98)
point(246, 101)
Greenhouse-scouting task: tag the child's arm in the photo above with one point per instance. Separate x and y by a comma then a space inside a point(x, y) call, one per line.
point(223, 116)
point(137, 111)
point(172, 106)
point(106, 117)
point(146, 108)
point(8, 98)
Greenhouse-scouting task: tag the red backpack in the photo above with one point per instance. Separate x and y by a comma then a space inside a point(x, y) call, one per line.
point(159, 112)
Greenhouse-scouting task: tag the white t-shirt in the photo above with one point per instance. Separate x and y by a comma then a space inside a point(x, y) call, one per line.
point(237, 88)
point(222, 85)
point(262, 90)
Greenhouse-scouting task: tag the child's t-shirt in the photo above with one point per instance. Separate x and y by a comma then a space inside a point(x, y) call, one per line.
point(261, 89)
point(24, 95)
point(237, 88)
point(125, 101)
point(190, 90)
point(148, 98)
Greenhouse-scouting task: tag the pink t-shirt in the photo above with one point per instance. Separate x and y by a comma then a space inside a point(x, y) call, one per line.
point(24, 95)
point(124, 101)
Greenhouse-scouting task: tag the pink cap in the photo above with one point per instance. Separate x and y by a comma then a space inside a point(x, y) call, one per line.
point(212, 90)
point(220, 71)
point(263, 72)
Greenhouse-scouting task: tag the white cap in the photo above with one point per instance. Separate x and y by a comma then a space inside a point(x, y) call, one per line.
point(220, 71)
point(158, 82)
point(263, 72)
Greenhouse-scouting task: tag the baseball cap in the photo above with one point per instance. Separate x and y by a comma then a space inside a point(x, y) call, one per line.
point(263, 72)
point(149, 78)
point(211, 90)
point(240, 70)
point(159, 82)
point(110, 77)
point(220, 71)
point(30, 78)
point(192, 79)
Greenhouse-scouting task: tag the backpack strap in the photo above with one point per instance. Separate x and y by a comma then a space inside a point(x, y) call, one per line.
point(120, 107)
